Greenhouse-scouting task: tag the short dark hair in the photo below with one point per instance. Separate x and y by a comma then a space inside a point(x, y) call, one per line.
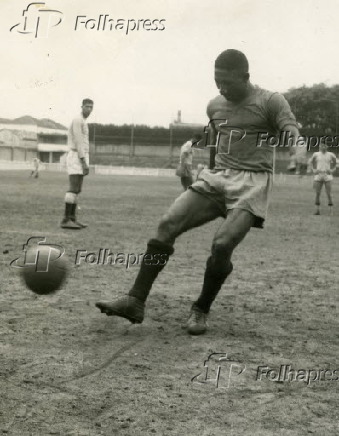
point(232, 60)
point(87, 101)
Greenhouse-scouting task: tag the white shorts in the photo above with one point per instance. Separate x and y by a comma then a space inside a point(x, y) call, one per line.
point(73, 162)
point(323, 177)
point(236, 189)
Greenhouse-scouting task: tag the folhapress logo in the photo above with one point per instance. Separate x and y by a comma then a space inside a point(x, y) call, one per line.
point(35, 252)
point(219, 371)
point(38, 19)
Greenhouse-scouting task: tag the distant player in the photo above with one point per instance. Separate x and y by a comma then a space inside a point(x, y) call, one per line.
point(324, 165)
point(36, 165)
point(77, 163)
point(184, 170)
point(237, 189)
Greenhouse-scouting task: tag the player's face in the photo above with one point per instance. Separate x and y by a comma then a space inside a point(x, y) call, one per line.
point(231, 84)
point(323, 148)
point(86, 110)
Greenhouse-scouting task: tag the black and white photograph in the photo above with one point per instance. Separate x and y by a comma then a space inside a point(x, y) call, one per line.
point(169, 196)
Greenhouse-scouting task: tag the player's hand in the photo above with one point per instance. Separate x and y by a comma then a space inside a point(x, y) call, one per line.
point(85, 167)
point(85, 170)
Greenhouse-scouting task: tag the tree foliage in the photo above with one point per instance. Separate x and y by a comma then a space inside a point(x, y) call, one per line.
point(316, 108)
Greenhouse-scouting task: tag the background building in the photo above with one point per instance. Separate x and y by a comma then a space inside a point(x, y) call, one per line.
point(25, 138)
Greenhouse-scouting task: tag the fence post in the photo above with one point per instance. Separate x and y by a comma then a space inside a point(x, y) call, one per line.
point(171, 143)
point(131, 148)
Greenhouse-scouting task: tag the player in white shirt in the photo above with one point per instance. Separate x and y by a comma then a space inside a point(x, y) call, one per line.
point(35, 171)
point(77, 162)
point(184, 170)
point(323, 166)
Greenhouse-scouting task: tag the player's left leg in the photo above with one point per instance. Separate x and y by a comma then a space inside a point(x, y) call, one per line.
point(71, 199)
point(189, 210)
point(219, 265)
point(328, 189)
point(317, 187)
point(78, 182)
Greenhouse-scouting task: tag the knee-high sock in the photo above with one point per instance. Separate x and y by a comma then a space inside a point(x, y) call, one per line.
point(70, 205)
point(214, 277)
point(154, 260)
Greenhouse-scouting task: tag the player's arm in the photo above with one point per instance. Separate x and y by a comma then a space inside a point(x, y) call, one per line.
point(314, 164)
point(78, 141)
point(281, 116)
point(333, 164)
point(211, 133)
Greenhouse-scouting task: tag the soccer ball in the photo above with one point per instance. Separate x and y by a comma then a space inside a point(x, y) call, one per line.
point(45, 269)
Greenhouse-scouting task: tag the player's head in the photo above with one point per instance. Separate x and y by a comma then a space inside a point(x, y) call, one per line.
point(323, 147)
point(87, 107)
point(231, 74)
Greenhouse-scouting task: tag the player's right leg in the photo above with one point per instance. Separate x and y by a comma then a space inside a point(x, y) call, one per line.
point(328, 188)
point(68, 222)
point(219, 266)
point(77, 187)
point(317, 184)
point(189, 210)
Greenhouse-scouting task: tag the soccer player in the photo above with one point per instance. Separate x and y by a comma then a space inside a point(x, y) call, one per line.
point(35, 171)
point(324, 164)
point(77, 163)
point(184, 170)
point(237, 189)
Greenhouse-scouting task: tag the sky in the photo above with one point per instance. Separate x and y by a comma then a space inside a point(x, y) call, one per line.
point(145, 77)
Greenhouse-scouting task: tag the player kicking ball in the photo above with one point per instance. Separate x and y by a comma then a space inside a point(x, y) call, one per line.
point(324, 164)
point(237, 189)
point(77, 162)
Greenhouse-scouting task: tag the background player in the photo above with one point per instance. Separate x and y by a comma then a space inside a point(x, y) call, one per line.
point(237, 189)
point(324, 164)
point(36, 165)
point(184, 170)
point(77, 163)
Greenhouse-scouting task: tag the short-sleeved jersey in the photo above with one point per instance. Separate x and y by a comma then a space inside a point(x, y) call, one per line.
point(78, 137)
point(239, 126)
point(186, 153)
point(323, 162)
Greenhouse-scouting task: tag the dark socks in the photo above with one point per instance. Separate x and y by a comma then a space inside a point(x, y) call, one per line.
point(153, 262)
point(215, 275)
point(73, 211)
point(68, 211)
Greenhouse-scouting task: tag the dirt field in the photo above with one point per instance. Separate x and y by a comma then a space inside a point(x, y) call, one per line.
point(66, 369)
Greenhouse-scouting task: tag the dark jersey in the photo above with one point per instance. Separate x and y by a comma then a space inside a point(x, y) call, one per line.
point(239, 126)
